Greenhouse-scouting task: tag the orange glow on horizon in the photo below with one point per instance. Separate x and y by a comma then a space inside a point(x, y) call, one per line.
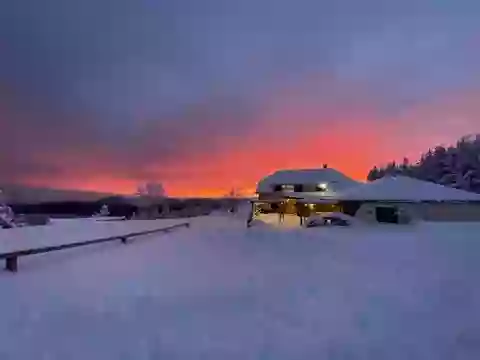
point(349, 139)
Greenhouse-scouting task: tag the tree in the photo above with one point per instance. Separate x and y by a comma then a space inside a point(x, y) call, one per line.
point(456, 166)
point(7, 217)
point(392, 168)
point(151, 189)
point(406, 169)
point(373, 174)
point(231, 200)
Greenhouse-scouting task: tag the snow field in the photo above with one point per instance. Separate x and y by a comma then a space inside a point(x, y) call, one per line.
point(221, 291)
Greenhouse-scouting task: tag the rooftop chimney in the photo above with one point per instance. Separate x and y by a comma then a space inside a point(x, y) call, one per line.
point(325, 166)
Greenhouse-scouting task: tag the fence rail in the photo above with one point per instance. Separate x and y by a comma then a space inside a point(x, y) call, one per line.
point(11, 258)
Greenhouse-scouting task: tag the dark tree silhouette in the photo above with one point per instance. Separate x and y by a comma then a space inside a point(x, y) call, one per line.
point(456, 166)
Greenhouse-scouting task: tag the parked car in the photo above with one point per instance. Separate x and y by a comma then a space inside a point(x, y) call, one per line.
point(329, 219)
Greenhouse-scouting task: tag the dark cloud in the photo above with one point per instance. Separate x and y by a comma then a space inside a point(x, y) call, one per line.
point(120, 85)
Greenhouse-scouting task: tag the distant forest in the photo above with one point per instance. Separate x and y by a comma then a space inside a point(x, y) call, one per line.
point(456, 166)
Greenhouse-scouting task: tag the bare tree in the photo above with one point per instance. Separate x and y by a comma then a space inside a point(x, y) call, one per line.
point(233, 193)
point(151, 189)
point(7, 217)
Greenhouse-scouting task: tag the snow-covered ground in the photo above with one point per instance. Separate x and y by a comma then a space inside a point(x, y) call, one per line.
point(62, 231)
point(221, 291)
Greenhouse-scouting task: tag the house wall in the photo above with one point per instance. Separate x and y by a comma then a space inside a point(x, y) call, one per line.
point(319, 208)
point(291, 206)
point(366, 212)
point(443, 211)
point(311, 188)
point(307, 190)
point(407, 213)
point(450, 211)
point(268, 196)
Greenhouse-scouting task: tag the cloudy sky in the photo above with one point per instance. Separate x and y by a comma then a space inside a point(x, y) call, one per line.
point(206, 95)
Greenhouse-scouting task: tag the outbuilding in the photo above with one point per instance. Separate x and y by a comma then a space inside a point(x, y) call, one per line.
point(401, 199)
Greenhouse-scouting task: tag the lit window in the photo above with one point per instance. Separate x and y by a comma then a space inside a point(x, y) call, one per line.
point(322, 187)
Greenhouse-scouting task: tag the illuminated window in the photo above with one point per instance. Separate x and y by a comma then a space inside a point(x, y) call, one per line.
point(282, 187)
point(288, 187)
point(322, 187)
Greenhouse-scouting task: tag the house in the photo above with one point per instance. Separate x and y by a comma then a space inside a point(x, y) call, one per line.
point(288, 186)
point(397, 199)
point(391, 198)
point(325, 182)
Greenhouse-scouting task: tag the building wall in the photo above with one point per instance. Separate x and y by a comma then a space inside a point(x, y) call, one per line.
point(407, 213)
point(366, 212)
point(311, 188)
point(307, 192)
point(450, 211)
point(443, 211)
point(323, 208)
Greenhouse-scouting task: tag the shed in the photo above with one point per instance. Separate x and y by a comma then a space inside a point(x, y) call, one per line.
point(413, 198)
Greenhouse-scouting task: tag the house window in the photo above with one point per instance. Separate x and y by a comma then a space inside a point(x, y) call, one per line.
point(298, 187)
point(288, 188)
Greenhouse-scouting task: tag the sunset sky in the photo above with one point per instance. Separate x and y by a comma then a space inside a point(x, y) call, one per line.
point(206, 95)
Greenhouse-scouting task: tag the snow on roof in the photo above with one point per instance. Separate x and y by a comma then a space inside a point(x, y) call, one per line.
point(406, 189)
point(306, 176)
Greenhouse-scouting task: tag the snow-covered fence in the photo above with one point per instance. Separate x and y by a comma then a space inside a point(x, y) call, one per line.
point(11, 256)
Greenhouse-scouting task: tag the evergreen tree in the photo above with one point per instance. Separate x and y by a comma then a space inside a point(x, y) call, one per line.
point(456, 166)
point(373, 174)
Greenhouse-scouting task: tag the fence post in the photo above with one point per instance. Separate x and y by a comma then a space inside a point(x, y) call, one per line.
point(11, 263)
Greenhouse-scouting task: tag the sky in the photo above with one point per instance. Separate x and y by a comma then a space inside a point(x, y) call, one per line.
point(206, 96)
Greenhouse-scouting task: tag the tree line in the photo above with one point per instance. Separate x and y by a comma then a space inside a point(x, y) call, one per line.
point(456, 166)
